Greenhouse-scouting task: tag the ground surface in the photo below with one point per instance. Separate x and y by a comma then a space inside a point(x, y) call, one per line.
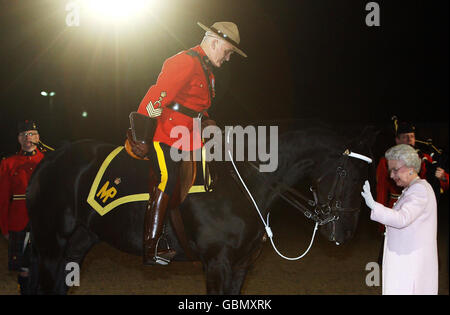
point(326, 269)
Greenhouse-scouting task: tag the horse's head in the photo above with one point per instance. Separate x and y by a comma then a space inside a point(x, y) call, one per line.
point(338, 183)
point(333, 166)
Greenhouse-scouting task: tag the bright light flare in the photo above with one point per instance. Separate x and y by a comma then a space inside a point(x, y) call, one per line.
point(116, 10)
point(44, 93)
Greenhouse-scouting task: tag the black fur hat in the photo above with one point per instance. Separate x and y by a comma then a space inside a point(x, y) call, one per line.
point(26, 125)
point(405, 127)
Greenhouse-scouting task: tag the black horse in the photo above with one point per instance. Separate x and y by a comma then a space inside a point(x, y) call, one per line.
point(224, 230)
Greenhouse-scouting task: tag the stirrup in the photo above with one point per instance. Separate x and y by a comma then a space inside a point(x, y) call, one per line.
point(161, 261)
point(157, 260)
point(169, 251)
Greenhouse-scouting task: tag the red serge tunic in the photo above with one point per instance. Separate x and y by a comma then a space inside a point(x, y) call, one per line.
point(182, 80)
point(15, 173)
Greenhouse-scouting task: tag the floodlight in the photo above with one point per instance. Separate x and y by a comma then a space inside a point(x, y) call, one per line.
point(116, 9)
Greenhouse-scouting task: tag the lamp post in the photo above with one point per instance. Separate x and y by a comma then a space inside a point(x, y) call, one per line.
point(50, 98)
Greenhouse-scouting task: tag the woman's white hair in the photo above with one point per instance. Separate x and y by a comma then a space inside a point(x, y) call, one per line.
point(405, 153)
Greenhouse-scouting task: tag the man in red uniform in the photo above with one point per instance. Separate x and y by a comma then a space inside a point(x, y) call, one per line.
point(15, 172)
point(183, 93)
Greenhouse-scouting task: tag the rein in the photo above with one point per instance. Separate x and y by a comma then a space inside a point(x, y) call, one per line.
point(316, 216)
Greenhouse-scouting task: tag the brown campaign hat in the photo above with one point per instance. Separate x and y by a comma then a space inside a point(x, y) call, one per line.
point(227, 31)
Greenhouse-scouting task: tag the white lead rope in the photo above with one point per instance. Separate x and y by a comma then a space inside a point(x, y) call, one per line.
point(316, 227)
point(266, 225)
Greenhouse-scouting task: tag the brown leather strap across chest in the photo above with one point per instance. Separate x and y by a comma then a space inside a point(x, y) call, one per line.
point(211, 89)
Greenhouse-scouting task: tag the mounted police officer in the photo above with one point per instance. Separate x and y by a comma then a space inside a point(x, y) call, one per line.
point(184, 90)
point(15, 173)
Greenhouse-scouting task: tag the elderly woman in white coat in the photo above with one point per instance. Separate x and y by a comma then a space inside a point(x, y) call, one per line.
point(410, 262)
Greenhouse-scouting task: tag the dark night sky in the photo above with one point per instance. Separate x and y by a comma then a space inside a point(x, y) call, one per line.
point(313, 59)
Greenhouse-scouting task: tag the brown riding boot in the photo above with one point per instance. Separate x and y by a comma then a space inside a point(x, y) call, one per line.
point(153, 224)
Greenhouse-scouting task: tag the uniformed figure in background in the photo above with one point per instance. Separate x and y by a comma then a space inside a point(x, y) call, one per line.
point(15, 172)
point(184, 90)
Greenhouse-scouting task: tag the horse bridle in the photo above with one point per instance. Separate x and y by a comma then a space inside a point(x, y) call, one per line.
point(326, 212)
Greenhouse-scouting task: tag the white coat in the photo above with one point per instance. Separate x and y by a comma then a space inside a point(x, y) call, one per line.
point(410, 260)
